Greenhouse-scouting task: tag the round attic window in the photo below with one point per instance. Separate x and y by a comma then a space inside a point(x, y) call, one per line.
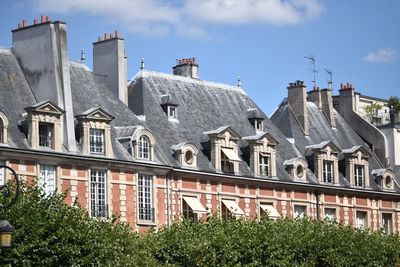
point(189, 157)
point(299, 171)
point(388, 181)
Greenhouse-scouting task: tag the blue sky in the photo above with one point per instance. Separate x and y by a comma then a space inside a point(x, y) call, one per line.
point(262, 41)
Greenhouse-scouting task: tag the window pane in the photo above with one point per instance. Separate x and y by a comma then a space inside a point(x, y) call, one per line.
point(387, 223)
point(98, 194)
point(330, 214)
point(1, 131)
point(47, 179)
point(359, 175)
point(2, 180)
point(144, 147)
point(145, 198)
point(361, 217)
point(327, 172)
point(265, 164)
point(45, 135)
point(299, 211)
point(97, 141)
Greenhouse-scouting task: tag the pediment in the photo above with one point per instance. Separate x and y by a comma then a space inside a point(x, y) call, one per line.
point(262, 138)
point(95, 114)
point(45, 107)
point(224, 131)
point(325, 146)
point(356, 150)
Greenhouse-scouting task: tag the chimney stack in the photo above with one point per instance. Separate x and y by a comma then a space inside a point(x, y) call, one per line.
point(327, 105)
point(315, 96)
point(298, 102)
point(187, 67)
point(109, 60)
point(42, 53)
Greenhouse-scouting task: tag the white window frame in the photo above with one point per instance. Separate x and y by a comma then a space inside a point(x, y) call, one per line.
point(144, 148)
point(145, 198)
point(2, 131)
point(96, 141)
point(46, 134)
point(327, 171)
point(174, 111)
point(98, 194)
point(258, 125)
point(387, 228)
point(361, 223)
point(297, 214)
point(47, 179)
point(328, 216)
point(265, 163)
point(2, 177)
point(359, 174)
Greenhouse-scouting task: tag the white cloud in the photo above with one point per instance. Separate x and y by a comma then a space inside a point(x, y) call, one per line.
point(382, 55)
point(189, 17)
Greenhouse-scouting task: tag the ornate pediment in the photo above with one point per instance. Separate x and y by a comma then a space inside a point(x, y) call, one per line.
point(224, 132)
point(45, 107)
point(263, 137)
point(95, 114)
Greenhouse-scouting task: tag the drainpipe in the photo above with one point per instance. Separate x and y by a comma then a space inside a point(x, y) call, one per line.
point(317, 193)
point(167, 182)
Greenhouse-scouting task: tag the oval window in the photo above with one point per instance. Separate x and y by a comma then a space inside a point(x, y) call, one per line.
point(299, 171)
point(388, 181)
point(189, 157)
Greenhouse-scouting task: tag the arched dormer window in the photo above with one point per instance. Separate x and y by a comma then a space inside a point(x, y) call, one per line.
point(143, 144)
point(186, 154)
point(3, 128)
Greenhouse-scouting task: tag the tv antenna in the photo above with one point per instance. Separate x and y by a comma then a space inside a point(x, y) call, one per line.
point(330, 78)
point(312, 58)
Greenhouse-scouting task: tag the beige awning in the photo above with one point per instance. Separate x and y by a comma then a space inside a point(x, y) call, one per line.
point(231, 155)
point(272, 212)
point(233, 207)
point(194, 204)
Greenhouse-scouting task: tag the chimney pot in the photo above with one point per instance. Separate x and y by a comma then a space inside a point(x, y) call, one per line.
point(348, 85)
point(99, 39)
point(105, 36)
point(42, 19)
point(35, 21)
point(24, 23)
point(47, 19)
point(111, 36)
point(116, 33)
point(19, 26)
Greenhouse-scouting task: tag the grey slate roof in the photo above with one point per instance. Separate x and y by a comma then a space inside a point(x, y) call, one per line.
point(204, 108)
point(320, 132)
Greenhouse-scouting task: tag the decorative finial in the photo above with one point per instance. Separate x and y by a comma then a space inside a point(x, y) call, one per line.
point(239, 82)
point(83, 58)
point(142, 64)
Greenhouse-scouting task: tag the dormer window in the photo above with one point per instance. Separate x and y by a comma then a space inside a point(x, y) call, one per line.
point(256, 118)
point(1, 131)
point(96, 141)
point(3, 128)
point(46, 133)
point(356, 159)
point(44, 119)
point(170, 107)
point(258, 125)
point(323, 159)
point(384, 178)
point(262, 152)
point(172, 112)
point(144, 147)
point(186, 154)
point(224, 149)
point(297, 167)
point(95, 136)
point(328, 171)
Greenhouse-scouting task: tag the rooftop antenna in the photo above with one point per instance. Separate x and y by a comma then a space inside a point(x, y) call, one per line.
point(239, 82)
point(312, 58)
point(83, 58)
point(330, 78)
point(142, 64)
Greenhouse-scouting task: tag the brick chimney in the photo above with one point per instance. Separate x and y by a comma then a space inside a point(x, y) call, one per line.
point(327, 105)
point(187, 67)
point(42, 52)
point(298, 102)
point(110, 62)
point(315, 96)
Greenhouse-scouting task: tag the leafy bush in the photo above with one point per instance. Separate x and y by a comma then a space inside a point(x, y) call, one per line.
point(50, 233)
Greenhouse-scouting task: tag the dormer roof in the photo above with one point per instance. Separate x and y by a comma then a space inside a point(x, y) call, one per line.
point(323, 145)
point(260, 136)
point(221, 130)
point(95, 113)
point(45, 106)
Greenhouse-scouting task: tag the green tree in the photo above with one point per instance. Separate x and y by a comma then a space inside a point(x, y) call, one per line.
point(372, 109)
point(394, 104)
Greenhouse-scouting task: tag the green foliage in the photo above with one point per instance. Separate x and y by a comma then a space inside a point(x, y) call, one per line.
point(394, 104)
point(373, 108)
point(51, 233)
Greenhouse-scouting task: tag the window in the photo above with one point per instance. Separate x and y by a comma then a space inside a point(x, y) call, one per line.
point(98, 200)
point(96, 141)
point(172, 112)
point(226, 164)
point(144, 147)
point(1, 131)
point(361, 219)
point(268, 209)
point(189, 158)
point(328, 171)
point(299, 211)
point(330, 214)
point(229, 208)
point(388, 181)
point(191, 207)
point(265, 164)
point(145, 198)
point(46, 134)
point(359, 175)
point(47, 179)
point(2, 180)
point(258, 125)
point(387, 223)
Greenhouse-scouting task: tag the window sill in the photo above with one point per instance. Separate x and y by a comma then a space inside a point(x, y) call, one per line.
point(146, 223)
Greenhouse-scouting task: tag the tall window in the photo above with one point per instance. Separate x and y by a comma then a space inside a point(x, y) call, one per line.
point(359, 175)
point(361, 219)
point(97, 141)
point(258, 125)
point(299, 211)
point(328, 171)
point(172, 114)
point(98, 194)
point(387, 223)
point(226, 164)
point(47, 179)
point(144, 147)
point(46, 134)
point(145, 198)
point(2, 180)
point(330, 214)
point(187, 212)
point(265, 164)
point(1, 131)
